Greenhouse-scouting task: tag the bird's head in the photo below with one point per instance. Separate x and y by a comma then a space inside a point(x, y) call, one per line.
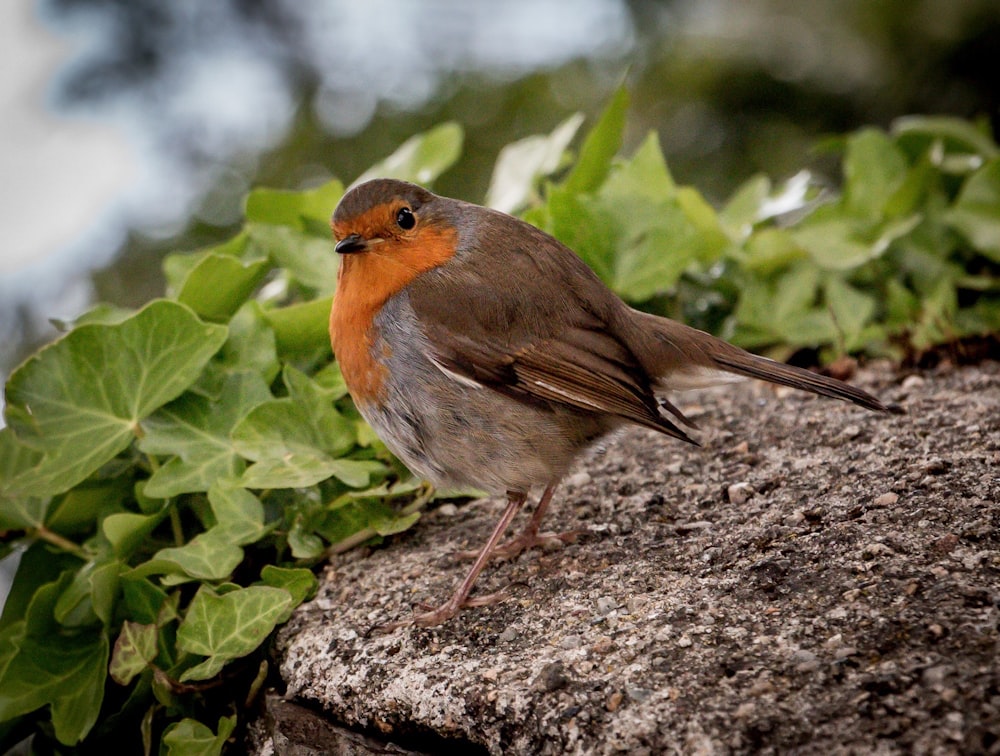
point(393, 229)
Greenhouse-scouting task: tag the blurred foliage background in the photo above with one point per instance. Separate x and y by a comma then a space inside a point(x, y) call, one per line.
point(232, 94)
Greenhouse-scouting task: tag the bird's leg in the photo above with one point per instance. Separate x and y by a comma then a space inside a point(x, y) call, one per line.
point(530, 537)
point(459, 599)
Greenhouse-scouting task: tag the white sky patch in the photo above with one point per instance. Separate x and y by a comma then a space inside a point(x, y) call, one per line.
point(59, 174)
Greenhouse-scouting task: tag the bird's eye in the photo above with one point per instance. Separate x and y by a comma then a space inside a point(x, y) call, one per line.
point(405, 219)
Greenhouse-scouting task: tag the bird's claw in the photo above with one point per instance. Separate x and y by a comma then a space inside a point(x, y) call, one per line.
point(433, 616)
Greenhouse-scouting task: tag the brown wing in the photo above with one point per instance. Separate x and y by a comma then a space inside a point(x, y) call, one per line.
point(536, 324)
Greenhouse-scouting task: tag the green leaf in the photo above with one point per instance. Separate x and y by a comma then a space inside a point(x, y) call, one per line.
point(219, 283)
point(957, 134)
point(134, 651)
point(303, 542)
point(77, 511)
point(293, 208)
point(422, 158)
point(143, 600)
point(178, 266)
point(770, 250)
point(298, 441)
point(644, 176)
point(238, 513)
point(754, 202)
point(207, 556)
point(216, 553)
point(307, 468)
point(711, 239)
point(657, 261)
point(299, 582)
point(331, 380)
point(231, 625)
point(196, 431)
point(50, 667)
point(976, 212)
point(189, 737)
point(302, 329)
point(91, 595)
point(658, 229)
point(251, 347)
point(874, 168)
point(21, 512)
point(743, 209)
point(397, 524)
point(833, 243)
point(127, 531)
point(309, 260)
point(82, 398)
point(852, 309)
point(15, 459)
point(600, 146)
point(522, 164)
point(586, 226)
point(784, 311)
point(38, 566)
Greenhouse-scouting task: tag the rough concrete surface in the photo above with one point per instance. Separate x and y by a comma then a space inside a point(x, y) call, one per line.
point(814, 578)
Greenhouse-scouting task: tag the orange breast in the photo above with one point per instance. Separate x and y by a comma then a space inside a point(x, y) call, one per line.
point(365, 281)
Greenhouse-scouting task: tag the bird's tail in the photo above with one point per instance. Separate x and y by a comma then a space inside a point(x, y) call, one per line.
point(683, 354)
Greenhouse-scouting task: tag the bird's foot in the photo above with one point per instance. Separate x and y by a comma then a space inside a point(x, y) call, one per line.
point(433, 616)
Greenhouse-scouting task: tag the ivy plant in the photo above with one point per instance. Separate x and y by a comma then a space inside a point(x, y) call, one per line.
point(170, 476)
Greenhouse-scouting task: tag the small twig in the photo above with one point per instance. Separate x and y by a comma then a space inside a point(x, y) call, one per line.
point(59, 541)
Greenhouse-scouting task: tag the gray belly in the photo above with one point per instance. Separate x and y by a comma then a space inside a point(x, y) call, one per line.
point(454, 434)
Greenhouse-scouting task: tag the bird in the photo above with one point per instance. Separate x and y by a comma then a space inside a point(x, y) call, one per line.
point(487, 354)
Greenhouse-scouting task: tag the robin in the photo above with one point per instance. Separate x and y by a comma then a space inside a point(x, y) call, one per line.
point(487, 354)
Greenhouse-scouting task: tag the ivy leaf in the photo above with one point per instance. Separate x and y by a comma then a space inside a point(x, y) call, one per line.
point(976, 212)
point(600, 146)
point(250, 347)
point(521, 164)
point(307, 468)
point(296, 209)
point(661, 230)
point(207, 556)
point(134, 651)
point(955, 133)
point(81, 399)
point(220, 279)
point(770, 250)
point(196, 431)
point(75, 512)
point(127, 531)
point(299, 441)
point(50, 667)
point(852, 309)
point(874, 167)
point(238, 513)
point(143, 600)
point(189, 737)
point(300, 584)
point(301, 329)
point(15, 459)
point(833, 243)
point(90, 596)
point(38, 567)
point(421, 158)
point(176, 268)
point(228, 626)
point(308, 259)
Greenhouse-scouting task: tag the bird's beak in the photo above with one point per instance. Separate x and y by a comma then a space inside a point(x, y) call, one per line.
point(352, 243)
